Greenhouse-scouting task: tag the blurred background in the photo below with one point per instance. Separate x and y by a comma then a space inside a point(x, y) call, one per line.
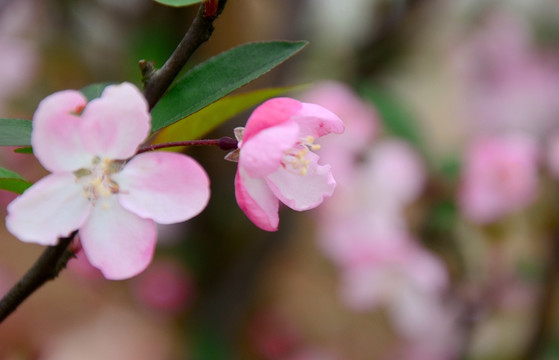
point(440, 242)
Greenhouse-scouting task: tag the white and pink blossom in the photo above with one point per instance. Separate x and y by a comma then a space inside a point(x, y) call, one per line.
point(98, 186)
point(277, 162)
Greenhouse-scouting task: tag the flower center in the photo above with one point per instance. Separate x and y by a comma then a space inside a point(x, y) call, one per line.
point(96, 180)
point(296, 159)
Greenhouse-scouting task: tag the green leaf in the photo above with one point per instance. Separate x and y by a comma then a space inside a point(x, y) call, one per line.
point(202, 122)
point(94, 91)
point(219, 76)
point(24, 150)
point(178, 3)
point(12, 181)
point(15, 132)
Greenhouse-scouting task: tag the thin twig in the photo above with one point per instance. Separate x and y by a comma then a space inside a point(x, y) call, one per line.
point(224, 143)
point(46, 268)
point(158, 81)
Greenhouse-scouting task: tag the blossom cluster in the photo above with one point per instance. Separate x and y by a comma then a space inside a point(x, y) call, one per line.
point(364, 230)
point(101, 186)
point(511, 94)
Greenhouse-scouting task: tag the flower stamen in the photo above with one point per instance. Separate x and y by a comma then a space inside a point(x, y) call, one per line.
point(296, 158)
point(97, 181)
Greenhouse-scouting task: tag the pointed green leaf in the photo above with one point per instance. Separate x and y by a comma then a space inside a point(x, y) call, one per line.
point(12, 181)
point(219, 76)
point(202, 122)
point(15, 132)
point(178, 3)
point(24, 150)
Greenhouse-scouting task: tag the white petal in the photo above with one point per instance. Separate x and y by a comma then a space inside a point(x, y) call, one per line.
point(56, 136)
point(115, 124)
point(303, 192)
point(52, 208)
point(166, 187)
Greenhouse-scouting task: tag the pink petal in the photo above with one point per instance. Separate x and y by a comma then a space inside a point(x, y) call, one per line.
point(317, 121)
point(271, 113)
point(52, 208)
point(166, 187)
point(303, 192)
point(262, 153)
point(116, 241)
point(257, 201)
point(56, 136)
point(116, 123)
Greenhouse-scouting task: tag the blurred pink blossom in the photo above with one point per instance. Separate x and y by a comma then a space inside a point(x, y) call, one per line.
point(359, 238)
point(499, 177)
point(407, 282)
point(369, 210)
point(393, 175)
point(509, 84)
point(398, 275)
point(276, 161)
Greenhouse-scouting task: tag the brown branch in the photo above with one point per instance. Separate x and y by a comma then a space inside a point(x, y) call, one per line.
point(156, 82)
point(46, 268)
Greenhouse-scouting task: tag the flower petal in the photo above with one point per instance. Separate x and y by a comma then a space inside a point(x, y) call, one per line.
point(116, 241)
point(257, 201)
point(271, 113)
point(303, 192)
point(116, 123)
point(56, 138)
point(166, 187)
point(52, 208)
point(317, 121)
point(262, 153)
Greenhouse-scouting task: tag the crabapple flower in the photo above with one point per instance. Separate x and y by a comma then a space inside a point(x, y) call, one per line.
point(98, 186)
point(276, 161)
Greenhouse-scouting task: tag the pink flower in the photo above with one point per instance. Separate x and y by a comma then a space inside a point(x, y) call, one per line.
point(398, 274)
point(276, 162)
point(509, 83)
point(500, 176)
point(95, 187)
